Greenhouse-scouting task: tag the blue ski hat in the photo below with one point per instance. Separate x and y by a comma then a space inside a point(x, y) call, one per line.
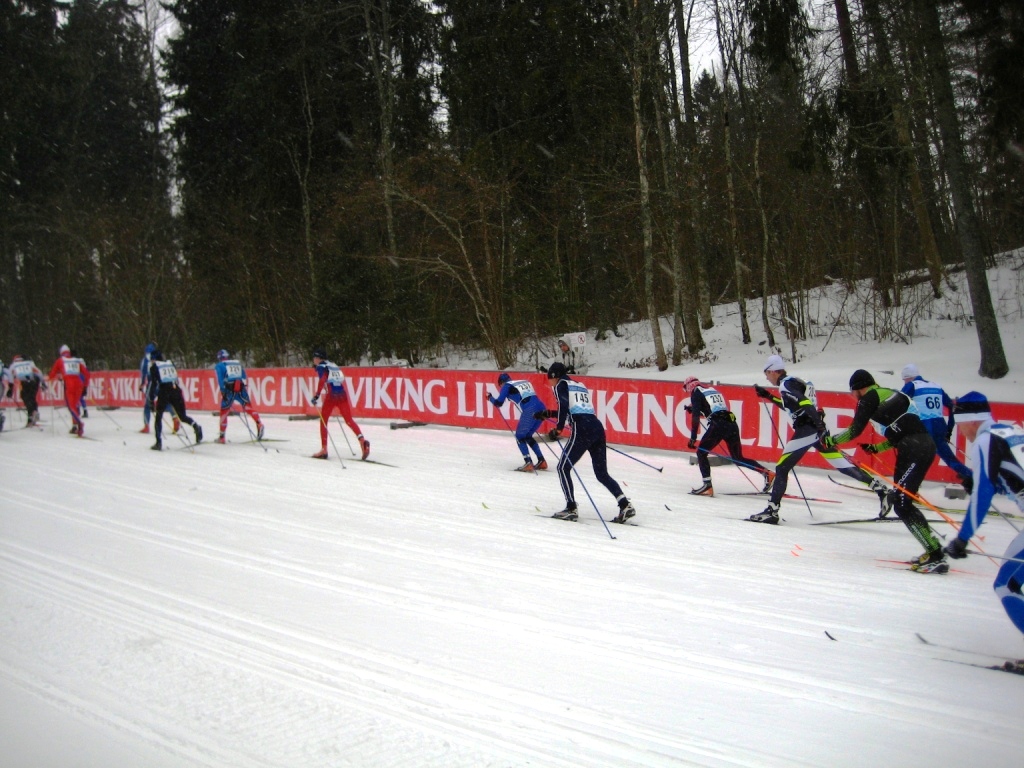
point(503, 378)
point(150, 347)
point(971, 407)
point(223, 355)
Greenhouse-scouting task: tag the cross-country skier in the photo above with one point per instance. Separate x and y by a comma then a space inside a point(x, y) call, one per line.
point(893, 416)
point(997, 457)
point(165, 392)
point(930, 400)
point(29, 378)
point(808, 432)
point(332, 384)
point(721, 425)
point(147, 407)
point(234, 388)
point(75, 375)
point(522, 393)
point(576, 406)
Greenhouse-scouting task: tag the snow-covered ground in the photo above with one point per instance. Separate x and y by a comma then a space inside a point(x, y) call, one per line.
point(235, 606)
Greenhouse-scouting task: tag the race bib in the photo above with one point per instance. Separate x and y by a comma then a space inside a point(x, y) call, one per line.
point(167, 372)
point(579, 399)
point(524, 388)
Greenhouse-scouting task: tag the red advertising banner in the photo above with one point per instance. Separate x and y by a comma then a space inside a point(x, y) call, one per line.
point(635, 412)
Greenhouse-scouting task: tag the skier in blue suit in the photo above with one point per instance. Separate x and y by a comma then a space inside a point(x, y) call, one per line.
point(931, 400)
point(522, 393)
point(997, 457)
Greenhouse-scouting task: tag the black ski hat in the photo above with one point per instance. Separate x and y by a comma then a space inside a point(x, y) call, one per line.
point(861, 379)
point(156, 354)
point(557, 371)
point(320, 353)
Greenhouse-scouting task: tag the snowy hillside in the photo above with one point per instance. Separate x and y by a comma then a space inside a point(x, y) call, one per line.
point(240, 605)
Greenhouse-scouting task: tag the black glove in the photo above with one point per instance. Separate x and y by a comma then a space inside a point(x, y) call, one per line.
point(688, 408)
point(869, 448)
point(949, 435)
point(957, 548)
point(10, 390)
point(762, 392)
point(314, 400)
point(554, 433)
point(692, 443)
point(968, 483)
point(491, 401)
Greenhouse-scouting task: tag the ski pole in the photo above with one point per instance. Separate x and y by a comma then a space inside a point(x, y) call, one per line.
point(186, 443)
point(779, 436)
point(104, 412)
point(916, 497)
point(341, 428)
point(331, 438)
point(634, 458)
point(739, 464)
point(584, 487)
point(252, 435)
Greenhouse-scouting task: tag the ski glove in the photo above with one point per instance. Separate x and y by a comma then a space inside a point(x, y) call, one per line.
point(869, 448)
point(957, 548)
point(315, 398)
point(688, 408)
point(554, 433)
point(10, 390)
point(967, 481)
point(827, 440)
point(762, 392)
point(692, 443)
point(491, 401)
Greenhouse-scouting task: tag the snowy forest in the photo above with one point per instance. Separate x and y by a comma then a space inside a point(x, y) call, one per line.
point(388, 176)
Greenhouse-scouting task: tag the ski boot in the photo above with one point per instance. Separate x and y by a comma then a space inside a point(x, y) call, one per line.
point(220, 439)
point(259, 431)
point(526, 466)
point(542, 464)
point(769, 478)
point(144, 430)
point(569, 513)
point(365, 445)
point(626, 511)
point(176, 424)
point(198, 431)
point(930, 562)
point(157, 446)
point(321, 454)
point(770, 515)
point(704, 490)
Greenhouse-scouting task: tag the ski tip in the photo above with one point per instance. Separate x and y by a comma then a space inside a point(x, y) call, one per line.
point(828, 635)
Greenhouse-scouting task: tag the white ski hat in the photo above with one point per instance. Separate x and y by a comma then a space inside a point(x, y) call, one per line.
point(64, 348)
point(910, 371)
point(775, 363)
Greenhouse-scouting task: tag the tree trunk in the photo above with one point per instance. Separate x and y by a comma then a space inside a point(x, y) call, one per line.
point(646, 222)
point(993, 358)
point(737, 261)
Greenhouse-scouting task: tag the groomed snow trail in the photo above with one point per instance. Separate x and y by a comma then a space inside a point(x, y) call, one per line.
point(231, 606)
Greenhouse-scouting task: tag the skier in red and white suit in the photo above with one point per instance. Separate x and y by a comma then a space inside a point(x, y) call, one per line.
point(75, 375)
point(332, 384)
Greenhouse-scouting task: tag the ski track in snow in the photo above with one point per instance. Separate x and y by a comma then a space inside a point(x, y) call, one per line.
point(239, 607)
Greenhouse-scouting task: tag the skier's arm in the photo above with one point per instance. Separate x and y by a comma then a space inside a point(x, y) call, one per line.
point(984, 488)
point(865, 409)
point(697, 404)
